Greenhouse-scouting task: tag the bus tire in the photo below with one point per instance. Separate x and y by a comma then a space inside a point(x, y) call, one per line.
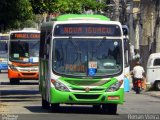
point(110, 108)
point(157, 85)
point(14, 81)
point(96, 107)
point(54, 107)
point(45, 104)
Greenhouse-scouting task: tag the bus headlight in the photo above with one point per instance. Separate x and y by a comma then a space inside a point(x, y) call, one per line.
point(12, 67)
point(59, 86)
point(115, 86)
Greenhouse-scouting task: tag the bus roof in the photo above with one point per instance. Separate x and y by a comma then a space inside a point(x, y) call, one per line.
point(26, 30)
point(67, 17)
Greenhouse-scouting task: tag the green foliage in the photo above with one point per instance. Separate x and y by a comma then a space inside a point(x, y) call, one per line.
point(66, 6)
point(40, 6)
point(17, 14)
point(13, 12)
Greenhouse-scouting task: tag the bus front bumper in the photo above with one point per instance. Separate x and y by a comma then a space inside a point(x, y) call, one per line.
point(116, 97)
point(22, 75)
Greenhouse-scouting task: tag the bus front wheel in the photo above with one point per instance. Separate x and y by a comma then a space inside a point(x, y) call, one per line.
point(14, 81)
point(96, 107)
point(45, 104)
point(54, 107)
point(110, 108)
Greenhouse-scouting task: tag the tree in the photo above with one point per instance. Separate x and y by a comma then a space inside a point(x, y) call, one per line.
point(40, 6)
point(66, 6)
point(14, 13)
point(95, 5)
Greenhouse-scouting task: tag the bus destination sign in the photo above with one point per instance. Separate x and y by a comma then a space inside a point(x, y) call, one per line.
point(87, 30)
point(4, 37)
point(25, 36)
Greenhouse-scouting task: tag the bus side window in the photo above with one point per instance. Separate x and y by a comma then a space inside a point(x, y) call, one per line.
point(126, 52)
point(47, 43)
point(6, 46)
point(42, 43)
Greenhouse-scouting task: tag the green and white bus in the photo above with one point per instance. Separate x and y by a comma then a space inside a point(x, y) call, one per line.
point(82, 62)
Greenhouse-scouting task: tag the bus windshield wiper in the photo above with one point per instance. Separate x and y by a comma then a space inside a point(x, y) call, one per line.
point(76, 47)
point(100, 43)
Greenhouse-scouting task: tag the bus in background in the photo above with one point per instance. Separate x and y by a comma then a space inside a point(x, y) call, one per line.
point(127, 58)
point(126, 49)
point(82, 62)
point(23, 48)
point(3, 52)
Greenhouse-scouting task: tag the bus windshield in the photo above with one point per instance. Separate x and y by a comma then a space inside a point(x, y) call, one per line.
point(87, 56)
point(24, 50)
point(3, 49)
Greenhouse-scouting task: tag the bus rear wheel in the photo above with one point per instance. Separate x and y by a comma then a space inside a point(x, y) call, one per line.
point(14, 81)
point(110, 108)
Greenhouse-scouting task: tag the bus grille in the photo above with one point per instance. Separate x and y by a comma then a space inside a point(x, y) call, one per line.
point(82, 96)
point(25, 74)
point(91, 89)
point(26, 70)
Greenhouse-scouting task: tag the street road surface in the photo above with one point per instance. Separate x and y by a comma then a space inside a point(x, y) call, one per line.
point(23, 102)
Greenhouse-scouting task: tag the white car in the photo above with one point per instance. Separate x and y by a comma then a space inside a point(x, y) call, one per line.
point(153, 70)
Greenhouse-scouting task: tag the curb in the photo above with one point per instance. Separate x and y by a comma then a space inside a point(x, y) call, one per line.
point(152, 94)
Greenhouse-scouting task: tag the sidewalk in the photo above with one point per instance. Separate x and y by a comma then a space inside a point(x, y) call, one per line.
point(152, 93)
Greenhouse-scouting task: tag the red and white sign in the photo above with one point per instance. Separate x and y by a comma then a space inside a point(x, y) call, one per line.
point(93, 64)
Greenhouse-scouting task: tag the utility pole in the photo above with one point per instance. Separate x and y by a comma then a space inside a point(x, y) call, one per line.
point(131, 31)
point(158, 27)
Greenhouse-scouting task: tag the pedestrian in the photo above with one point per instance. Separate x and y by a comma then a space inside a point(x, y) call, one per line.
point(138, 74)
